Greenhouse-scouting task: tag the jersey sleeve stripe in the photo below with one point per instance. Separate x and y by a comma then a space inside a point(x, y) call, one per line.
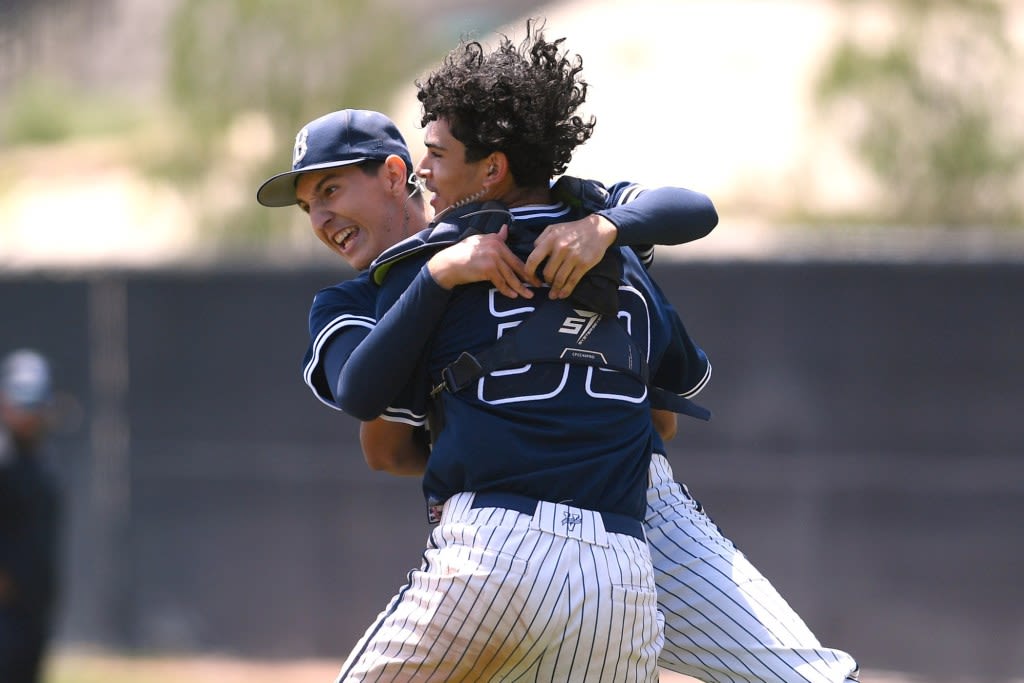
point(645, 254)
point(624, 195)
point(408, 417)
point(700, 384)
point(321, 340)
point(628, 194)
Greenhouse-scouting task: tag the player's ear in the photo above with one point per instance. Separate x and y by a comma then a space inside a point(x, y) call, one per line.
point(397, 173)
point(495, 168)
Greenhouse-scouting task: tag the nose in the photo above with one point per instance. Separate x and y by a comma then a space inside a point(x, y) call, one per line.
point(319, 217)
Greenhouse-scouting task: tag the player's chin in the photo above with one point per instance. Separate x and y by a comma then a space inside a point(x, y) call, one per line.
point(357, 258)
point(358, 263)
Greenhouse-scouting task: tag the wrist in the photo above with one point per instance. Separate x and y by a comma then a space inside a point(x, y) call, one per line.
point(440, 274)
point(607, 231)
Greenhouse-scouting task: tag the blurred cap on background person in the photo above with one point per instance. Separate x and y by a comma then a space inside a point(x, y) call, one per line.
point(25, 379)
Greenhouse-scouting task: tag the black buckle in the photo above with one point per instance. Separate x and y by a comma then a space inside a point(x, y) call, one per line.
point(459, 374)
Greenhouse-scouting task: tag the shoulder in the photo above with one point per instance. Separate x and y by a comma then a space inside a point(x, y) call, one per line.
point(401, 251)
point(356, 294)
point(593, 195)
point(359, 284)
point(446, 230)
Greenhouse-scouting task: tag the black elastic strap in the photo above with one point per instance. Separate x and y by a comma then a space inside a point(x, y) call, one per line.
point(554, 333)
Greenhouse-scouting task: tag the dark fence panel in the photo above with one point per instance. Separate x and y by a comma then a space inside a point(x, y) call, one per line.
point(866, 453)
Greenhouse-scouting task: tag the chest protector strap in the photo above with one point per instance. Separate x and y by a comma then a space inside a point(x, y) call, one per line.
point(555, 332)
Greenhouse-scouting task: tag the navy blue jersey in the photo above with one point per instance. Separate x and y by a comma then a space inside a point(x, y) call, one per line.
point(550, 431)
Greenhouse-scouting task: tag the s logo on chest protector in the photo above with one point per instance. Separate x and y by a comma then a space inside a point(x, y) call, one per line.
point(580, 326)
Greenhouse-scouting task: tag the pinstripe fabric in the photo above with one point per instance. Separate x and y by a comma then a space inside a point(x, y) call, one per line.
point(503, 596)
point(723, 620)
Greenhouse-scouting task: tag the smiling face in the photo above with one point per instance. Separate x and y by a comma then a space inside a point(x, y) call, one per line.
point(356, 214)
point(445, 170)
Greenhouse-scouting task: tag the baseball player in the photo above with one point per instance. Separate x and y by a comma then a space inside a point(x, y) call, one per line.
point(723, 620)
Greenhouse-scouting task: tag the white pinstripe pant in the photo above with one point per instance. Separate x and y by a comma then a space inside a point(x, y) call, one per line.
point(724, 622)
point(506, 596)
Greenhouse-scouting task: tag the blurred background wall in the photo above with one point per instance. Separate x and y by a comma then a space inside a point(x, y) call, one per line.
point(860, 301)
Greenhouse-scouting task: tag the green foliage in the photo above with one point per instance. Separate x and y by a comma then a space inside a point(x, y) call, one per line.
point(930, 104)
point(289, 61)
point(44, 110)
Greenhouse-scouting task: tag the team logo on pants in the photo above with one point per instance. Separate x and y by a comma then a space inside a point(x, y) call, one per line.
point(570, 520)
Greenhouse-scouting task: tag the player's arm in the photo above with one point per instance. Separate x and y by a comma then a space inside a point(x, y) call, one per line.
point(386, 360)
point(661, 215)
point(682, 368)
point(631, 215)
point(379, 367)
point(394, 447)
point(665, 423)
point(398, 447)
point(339, 318)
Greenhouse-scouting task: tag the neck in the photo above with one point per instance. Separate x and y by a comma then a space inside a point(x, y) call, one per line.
point(415, 216)
point(525, 196)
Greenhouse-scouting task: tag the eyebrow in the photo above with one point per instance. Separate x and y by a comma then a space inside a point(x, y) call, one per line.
point(326, 178)
point(318, 186)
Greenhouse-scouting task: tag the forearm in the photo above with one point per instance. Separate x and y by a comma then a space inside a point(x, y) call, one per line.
point(393, 448)
point(385, 360)
point(665, 423)
point(665, 215)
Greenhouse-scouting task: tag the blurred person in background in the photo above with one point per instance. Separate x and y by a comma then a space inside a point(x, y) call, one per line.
point(29, 517)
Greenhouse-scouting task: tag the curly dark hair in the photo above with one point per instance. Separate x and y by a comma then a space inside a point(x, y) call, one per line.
point(519, 100)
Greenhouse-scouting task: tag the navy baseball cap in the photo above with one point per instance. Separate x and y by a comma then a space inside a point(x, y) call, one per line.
point(341, 138)
point(25, 379)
